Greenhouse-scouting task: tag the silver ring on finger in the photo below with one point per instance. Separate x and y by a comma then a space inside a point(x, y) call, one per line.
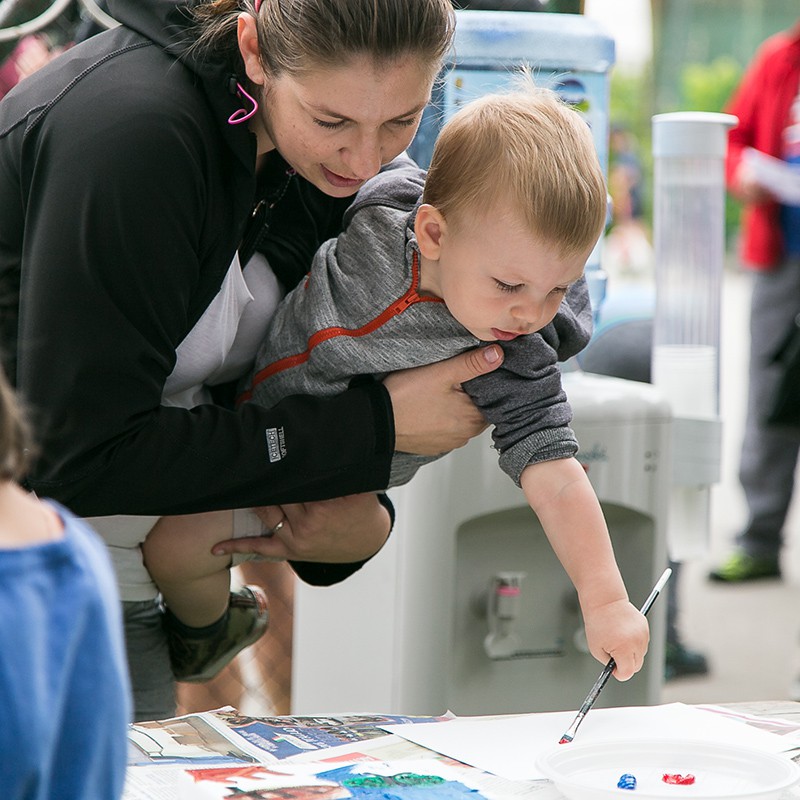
point(272, 531)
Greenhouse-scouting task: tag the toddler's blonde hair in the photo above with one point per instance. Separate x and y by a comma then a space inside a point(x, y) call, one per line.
point(529, 148)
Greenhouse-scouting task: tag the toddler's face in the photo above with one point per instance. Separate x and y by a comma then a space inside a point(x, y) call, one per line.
point(499, 280)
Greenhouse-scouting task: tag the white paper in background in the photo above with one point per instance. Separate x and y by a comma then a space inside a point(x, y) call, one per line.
point(509, 746)
point(787, 729)
point(779, 177)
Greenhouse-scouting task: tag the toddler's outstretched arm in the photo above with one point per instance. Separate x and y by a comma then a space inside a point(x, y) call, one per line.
point(564, 500)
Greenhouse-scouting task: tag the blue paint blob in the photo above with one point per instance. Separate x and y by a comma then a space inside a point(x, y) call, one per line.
point(627, 781)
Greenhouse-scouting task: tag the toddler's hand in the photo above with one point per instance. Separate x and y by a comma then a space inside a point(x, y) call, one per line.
point(618, 630)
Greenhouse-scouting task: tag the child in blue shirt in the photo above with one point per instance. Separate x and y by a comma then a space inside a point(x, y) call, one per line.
point(64, 690)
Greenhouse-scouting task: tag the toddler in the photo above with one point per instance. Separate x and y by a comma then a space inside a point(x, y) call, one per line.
point(489, 247)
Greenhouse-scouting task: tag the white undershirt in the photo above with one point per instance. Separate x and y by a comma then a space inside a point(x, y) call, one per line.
point(219, 348)
point(224, 342)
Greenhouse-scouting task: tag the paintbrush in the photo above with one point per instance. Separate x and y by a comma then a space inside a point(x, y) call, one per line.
point(609, 668)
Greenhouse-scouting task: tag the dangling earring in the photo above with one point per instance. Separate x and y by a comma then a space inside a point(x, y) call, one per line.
point(241, 114)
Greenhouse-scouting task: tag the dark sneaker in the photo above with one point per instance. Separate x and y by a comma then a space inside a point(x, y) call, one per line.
point(740, 567)
point(681, 661)
point(199, 660)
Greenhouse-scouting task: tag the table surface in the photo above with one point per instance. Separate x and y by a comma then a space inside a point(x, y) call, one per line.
point(501, 787)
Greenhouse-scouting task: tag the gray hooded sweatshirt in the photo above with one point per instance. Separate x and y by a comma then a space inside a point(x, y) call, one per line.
point(359, 312)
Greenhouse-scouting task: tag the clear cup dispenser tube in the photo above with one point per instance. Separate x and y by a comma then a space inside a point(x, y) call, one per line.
point(689, 243)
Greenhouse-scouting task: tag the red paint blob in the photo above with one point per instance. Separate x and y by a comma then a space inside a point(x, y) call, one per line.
point(678, 779)
point(564, 740)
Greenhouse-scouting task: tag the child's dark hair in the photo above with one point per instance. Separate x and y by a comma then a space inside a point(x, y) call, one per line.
point(15, 442)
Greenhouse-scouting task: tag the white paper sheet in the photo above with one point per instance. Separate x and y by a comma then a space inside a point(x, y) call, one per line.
point(781, 178)
point(508, 746)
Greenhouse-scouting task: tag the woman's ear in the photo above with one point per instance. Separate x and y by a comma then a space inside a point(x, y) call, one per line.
point(247, 34)
point(430, 228)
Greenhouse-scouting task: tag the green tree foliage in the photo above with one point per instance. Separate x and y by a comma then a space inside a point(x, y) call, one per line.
point(708, 87)
point(703, 87)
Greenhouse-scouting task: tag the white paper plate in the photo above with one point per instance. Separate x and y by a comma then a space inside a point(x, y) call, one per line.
point(591, 771)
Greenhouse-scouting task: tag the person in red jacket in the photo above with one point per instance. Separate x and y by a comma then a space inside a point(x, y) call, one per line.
point(767, 104)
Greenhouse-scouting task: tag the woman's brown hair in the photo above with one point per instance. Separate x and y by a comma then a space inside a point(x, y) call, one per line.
point(297, 35)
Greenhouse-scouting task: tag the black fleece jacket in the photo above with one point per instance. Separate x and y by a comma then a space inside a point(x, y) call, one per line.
point(124, 195)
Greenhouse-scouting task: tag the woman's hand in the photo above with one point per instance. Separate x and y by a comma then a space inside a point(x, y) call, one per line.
point(432, 413)
point(338, 531)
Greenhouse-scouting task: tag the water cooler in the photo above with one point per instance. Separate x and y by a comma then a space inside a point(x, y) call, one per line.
point(568, 53)
point(467, 608)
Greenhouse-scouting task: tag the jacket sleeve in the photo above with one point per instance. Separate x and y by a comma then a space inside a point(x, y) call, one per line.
point(318, 574)
point(116, 218)
point(741, 136)
point(524, 399)
point(747, 103)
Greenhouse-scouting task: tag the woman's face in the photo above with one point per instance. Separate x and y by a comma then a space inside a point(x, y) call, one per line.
point(337, 127)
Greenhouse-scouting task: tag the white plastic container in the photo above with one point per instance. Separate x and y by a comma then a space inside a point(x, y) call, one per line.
point(689, 247)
